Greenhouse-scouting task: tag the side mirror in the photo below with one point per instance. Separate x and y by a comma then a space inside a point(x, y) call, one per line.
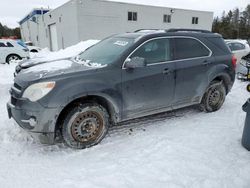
point(135, 62)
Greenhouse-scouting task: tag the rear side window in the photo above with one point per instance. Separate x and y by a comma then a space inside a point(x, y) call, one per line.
point(7, 44)
point(155, 51)
point(234, 46)
point(2, 44)
point(186, 48)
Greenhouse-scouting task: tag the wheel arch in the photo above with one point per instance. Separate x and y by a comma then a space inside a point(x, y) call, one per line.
point(6, 59)
point(225, 78)
point(112, 109)
point(34, 50)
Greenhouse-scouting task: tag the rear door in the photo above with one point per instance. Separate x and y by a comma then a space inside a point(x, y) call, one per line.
point(150, 88)
point(192, 59)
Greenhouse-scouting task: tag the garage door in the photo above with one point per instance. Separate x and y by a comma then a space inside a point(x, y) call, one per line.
point(53, 37)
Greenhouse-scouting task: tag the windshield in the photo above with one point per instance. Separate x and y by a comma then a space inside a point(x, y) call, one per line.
point(21, 43)
point(106, 51)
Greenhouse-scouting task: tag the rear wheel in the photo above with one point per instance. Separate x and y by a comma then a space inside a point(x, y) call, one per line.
point(85, 126)
point(214, 97)
point(12, 58)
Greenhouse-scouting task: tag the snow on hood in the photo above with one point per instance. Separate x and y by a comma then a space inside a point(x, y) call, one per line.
point(46, 55)
point(88, 63)
point(46, 61)
point(49, 66)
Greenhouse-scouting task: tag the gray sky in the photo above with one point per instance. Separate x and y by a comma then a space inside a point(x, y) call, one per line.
point(13, 11)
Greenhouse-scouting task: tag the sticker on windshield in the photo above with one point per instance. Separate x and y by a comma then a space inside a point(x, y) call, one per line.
point(121, 43)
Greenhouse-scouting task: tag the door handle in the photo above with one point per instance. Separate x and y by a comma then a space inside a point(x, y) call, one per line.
point(166, 71)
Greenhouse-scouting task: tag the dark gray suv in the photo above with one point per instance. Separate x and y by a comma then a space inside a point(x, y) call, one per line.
point(123, 77)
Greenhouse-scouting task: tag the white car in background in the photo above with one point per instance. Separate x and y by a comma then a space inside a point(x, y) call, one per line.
point(12, 51)
point(33, 49)
point(239, 48)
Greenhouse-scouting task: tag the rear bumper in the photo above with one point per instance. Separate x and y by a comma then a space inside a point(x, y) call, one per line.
point(37, 120)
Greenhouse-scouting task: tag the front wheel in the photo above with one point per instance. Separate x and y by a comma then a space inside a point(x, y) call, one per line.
point(13, 58)
point(214, 97)
point(85, 126)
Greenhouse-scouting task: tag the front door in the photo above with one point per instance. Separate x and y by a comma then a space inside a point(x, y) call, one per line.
point(150, 88)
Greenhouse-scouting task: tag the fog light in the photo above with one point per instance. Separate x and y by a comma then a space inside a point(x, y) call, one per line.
point(31, 121)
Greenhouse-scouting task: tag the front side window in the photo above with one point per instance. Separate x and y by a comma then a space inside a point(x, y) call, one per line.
point(186, 48)
point(154, 51)
point(106, 51)
point(9, 44)
point(132, 16)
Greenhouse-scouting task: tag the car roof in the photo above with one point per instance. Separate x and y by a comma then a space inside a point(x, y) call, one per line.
point(151, 33)
point(154, 35)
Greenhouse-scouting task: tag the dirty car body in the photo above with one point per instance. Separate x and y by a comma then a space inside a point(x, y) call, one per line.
point(127, 90)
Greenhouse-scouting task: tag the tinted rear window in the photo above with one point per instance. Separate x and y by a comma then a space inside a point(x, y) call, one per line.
point(186, 48)
point(219, 43)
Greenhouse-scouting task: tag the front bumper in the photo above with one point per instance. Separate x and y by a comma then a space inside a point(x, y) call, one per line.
point(34, 118)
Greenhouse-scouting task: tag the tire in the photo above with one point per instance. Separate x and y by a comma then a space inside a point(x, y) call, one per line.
point(214, 97)
point(12, 57)
point(85, 126)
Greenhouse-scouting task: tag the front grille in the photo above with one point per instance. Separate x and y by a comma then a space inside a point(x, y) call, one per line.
point(17, 86)
point(18, 69)
point(16, 91)
point(13, 100)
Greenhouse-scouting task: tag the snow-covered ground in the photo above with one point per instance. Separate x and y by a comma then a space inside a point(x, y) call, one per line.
point(185, 148)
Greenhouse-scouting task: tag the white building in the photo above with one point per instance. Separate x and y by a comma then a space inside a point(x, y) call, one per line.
point(79, 20)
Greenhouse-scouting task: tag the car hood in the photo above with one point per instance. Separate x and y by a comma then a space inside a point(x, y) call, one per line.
point(33, 69)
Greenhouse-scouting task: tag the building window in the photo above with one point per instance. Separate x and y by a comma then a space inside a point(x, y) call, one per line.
point(166, 18)
point(195, 20)
point(132, 16)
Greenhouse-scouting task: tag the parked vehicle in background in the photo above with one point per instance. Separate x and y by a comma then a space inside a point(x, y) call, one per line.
point(123, 77)
point(31, 47)
point(12, 50)
point(239, 47)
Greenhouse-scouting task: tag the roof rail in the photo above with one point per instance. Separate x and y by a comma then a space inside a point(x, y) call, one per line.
point(189, 30)
point(148, 30)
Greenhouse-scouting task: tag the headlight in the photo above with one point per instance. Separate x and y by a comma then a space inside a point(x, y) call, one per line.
point(38, 91)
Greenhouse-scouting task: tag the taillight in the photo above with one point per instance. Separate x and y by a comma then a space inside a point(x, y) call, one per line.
point(234, 61)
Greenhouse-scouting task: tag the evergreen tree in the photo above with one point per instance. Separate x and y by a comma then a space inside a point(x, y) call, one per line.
point(234, 24)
